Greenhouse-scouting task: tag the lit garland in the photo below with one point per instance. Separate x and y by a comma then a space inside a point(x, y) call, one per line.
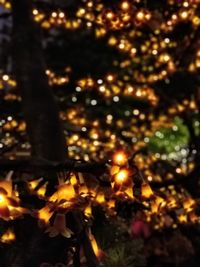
point(74, 191)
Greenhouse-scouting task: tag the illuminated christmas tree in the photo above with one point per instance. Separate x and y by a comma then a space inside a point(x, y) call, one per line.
point(100, 110)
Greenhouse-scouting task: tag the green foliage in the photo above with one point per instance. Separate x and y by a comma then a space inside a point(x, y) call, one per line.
point(127, 254)
point(168, 140)
point(113, 238)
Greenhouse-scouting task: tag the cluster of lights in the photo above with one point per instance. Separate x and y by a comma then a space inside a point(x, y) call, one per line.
point(58, 79)
point(6, 4)
point(10, 208)
point(110, 86)
point(77, 192)
point(186, 104)
point(181, 205)
point(55, 19)
point(155, 47)
point(152, 54)
point(74, 192)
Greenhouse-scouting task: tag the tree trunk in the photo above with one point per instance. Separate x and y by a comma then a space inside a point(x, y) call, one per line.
point(45, 135)
point(38, 103)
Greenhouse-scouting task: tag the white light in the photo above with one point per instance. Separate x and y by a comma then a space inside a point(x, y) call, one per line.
point(93, 102)
point(99, 81)
point(154, 52)
point(134, 139)
point(74, 99)
point(167, 40)
point(175, 128)
point(136, 112)
point(9, 118)
point(116, 98)
point(177, 148)
point(109, 117)
point(83, 129)
point(164, 157)
point(78, 89)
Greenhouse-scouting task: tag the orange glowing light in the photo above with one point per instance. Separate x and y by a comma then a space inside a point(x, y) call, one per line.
point(140, 15)
point(65, 191)
point(97, 251)
point(2, 200)
point(120, 158)
point(188, 204)
point(109, 15)
point(125, 5)
point(129, 192)
point(100, 198)
point(88, 211)
point(146, 190)
point(45, 214)
point(121, 176)
point(114, 170)
point(8, 236)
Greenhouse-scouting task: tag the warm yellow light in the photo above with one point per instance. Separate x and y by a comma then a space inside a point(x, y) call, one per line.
point(65, 191)
point(98, 252)
point(110, 78)
point(114, 170)
point(111, 203)
point(184, 15)
point(42, 190)
point(120, 158)
point(2, 199)
point(146, 190)
point(61, 15)
point(45, 214)
point(33, 184)
point(88, 211)
point(8, 236)
point(121, 176)
point(54, 14)
point(73, 180)
point(109, 15)
point(5, 77)
point(35, 12)
point(188, 204)
point(100, 198)
point(125, 5)
point(140, 15)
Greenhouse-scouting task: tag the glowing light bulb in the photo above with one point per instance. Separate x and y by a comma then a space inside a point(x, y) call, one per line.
point(121, 176)
point(125, 5)
point(5, 77)
point(110, 78)
point(35, 12)
point(184, 15)
point(109, 15)
point(120, 158)
point(140, 15)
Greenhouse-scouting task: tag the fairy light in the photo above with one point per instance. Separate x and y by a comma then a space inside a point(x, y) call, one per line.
point(120, 158)
point(121, 176)
point(155, 61)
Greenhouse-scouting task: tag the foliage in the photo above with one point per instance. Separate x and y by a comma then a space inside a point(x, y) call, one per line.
point(127, 254)
point(167, 140)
